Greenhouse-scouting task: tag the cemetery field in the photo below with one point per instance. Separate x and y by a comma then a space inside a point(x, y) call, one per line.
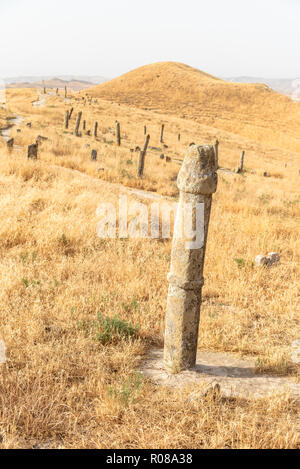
point(79, 314)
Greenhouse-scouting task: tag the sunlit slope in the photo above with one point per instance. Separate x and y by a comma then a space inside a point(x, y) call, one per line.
point(253, 111)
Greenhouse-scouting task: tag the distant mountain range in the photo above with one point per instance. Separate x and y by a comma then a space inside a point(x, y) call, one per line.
point(287, 86)
point(75, 83)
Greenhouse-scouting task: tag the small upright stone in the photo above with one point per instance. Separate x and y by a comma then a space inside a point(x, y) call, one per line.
point(10, 143)
point(274, 257)
point(271, 259)
point(94, 155)
point(32, 151)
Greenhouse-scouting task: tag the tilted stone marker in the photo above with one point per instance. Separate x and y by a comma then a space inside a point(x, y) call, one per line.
point(142, 157)
point(65, 91)
point(70, 113)
point(178, 137)
point(67, 117)
point(162, 133)
point(32, 151)
point(94, 155)
point(241, 167)
point(95, 129)
point(118, 133)
point(83, 125)
point(78, 123)
point(145, 130)
point(217, 153)
point(197, 181)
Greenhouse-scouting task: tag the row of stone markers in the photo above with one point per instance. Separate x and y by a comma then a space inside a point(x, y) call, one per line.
point(66, 94)
point(68, 115)
point(32, 152)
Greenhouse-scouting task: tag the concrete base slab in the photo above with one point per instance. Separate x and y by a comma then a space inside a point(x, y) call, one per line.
point(231, 376)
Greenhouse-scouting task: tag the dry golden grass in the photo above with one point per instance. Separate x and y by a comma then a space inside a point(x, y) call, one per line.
point(59, 386)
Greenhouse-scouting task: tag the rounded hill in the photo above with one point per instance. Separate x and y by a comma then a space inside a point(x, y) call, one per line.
point(251, 110)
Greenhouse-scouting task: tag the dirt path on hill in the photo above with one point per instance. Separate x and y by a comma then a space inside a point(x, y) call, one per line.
point(42, 98)
point(15, 121)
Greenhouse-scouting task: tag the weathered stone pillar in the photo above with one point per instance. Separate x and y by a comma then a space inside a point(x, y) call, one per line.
point(95, 129)
point(217, 153)
point(65, 91)
point(70, 113)
point(118, 133)
point(32, 151)
point(67, 120)
point(142, 157)
point(241, 167)
point(83, 125)
point(78, 123)
point(145, 130)
point(197, 181)
point(162, 133)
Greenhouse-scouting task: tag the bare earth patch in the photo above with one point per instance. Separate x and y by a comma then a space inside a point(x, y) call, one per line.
point(236, 377)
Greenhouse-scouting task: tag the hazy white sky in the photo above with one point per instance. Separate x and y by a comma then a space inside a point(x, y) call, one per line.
point(111, 37)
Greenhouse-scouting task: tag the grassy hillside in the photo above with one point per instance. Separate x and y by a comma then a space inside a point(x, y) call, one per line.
point(64, 384)
point(252, 111)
